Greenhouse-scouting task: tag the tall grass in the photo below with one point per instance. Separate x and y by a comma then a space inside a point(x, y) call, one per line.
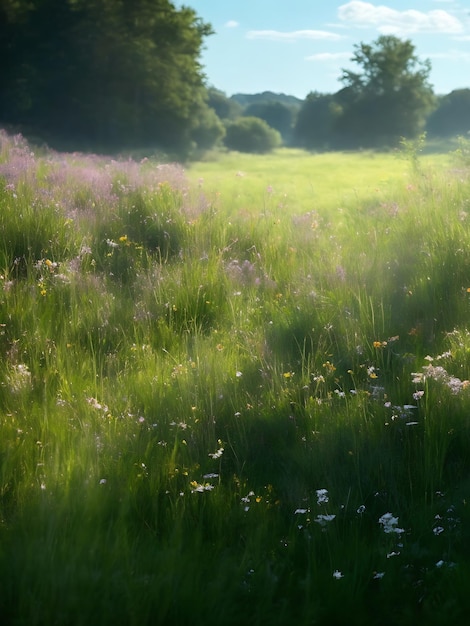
point(237, 400)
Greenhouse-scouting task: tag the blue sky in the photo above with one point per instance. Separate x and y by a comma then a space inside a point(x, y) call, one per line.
point(298, 46)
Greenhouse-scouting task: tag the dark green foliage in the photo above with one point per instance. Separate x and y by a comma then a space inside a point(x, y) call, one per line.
point(226, 108)
point(276, 114)
point(251, 134)
point(104, 74)
point(452, 115)
point(389, 98)
point(316, 122)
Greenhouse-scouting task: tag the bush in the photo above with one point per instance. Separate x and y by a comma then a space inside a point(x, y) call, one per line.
point(251, 134)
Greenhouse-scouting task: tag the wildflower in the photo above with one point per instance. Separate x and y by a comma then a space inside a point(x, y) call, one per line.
point(93, 402)
point(389, 524)
point(438, 530)
point(337, 574)
point(200, 487)
point(19, 378)
point(330, 368)
point(444, 355)
point(300, 511)
point(322, 496)
point(218, 453)
point(238, 374)
point(379, 344)
point(378, 575)
point(246, 498)
point(323, 520)
point(50, 265)
point(418, 395)
point(361, 509)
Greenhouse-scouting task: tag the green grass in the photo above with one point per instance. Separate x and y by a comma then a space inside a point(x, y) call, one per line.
point(187, 365)
point(298, 181)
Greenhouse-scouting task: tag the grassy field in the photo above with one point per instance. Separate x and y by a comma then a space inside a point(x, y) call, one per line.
point(236, 393)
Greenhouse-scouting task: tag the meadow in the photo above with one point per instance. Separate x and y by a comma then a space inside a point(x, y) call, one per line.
point(235, 392)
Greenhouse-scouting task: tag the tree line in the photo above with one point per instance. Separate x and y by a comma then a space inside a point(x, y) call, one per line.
point(114, 74)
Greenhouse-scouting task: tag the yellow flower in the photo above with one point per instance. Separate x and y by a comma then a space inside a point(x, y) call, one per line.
point(123, 239)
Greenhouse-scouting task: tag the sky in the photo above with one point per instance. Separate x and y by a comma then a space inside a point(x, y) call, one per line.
point(298, 46)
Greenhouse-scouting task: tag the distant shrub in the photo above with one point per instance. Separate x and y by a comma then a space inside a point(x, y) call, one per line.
point(251, 134)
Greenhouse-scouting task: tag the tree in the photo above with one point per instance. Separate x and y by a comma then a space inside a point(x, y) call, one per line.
point(316, 122)
point(250, 134)
point(276, 114)
point(452, 115)
point(226, 108)
point(111, 72)
point(389, 98)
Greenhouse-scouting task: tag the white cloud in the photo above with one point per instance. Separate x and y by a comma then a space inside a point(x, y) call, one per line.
point(452, 55)
point(391, 21)
point(276, 35)
point(328, 56)
point(231, 24)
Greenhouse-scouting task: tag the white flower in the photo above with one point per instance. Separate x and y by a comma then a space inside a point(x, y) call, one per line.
point(324, 519)
point(217, 454)
point(389, 524)
point(300, 511)
point(337, 574)
point(322, 496)
point(378, 575)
